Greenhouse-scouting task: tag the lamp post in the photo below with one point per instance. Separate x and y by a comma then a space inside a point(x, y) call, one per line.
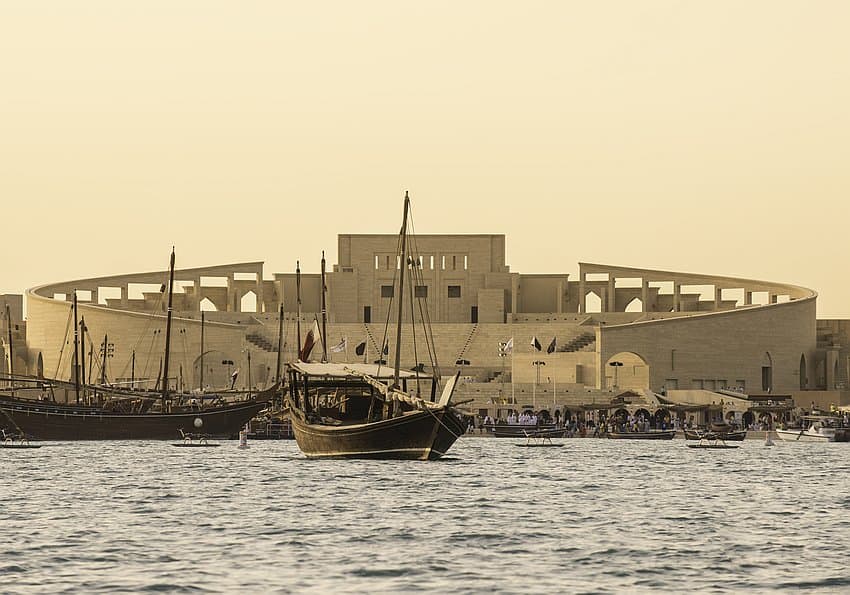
point(616, 366)
point(536, 363)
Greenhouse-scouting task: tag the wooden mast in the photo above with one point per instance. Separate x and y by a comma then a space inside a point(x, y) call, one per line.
point(279, 343)
point(9, 325)
point(168, 331)
point(298, 305)
point(324, 314)
point(201, 384)
point(83, 352)
point(402, 268)
point(76, 351)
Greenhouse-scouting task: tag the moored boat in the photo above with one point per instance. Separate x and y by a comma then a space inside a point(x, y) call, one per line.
point(730, 436)
point(365, 410)
point(649, 435)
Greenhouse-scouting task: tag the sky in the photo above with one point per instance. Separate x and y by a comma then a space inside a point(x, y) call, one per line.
point(706, 137)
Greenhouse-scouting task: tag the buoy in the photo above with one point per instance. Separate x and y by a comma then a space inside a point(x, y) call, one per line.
point(198, 422)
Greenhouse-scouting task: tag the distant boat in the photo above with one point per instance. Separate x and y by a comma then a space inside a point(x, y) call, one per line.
point(650, 435)
point(129, 415)
point(365, 410)
point(730, 436)
point(816, 428)
point(523, 430)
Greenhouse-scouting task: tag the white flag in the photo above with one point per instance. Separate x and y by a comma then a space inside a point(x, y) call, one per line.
point(341, 346)
point(508, 347)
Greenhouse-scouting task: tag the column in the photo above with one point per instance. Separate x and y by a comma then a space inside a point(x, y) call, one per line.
point(718, 297)
point(677, 294)
point(581, 292)
point(644, 295)
point(612, 294)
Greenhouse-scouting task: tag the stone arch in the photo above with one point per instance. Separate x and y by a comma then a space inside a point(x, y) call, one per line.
point(633, 373)
point(636, 305)
point(767, 372)
point(592, 302)
point(663, 416)
point(248, 301)
point(804, 380)
point(207, 305)
point(747, 418)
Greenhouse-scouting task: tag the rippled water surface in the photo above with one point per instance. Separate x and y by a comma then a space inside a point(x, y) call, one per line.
point(592, 516)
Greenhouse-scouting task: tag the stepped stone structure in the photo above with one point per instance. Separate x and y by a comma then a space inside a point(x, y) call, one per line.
point(611, 329)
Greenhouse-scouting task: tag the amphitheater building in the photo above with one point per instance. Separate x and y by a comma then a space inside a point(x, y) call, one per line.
point(657, 337)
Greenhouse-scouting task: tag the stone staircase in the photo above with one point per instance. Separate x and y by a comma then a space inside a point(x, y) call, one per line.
point(579, 343)
point(467, 343)
point(260, 342)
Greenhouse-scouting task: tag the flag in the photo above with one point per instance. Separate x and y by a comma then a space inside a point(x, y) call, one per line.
point(233, 378)
point(313, 337)
point(341, 346)
point(551, 348)
point(508, 347)
point(361, 348)
point(536, 344)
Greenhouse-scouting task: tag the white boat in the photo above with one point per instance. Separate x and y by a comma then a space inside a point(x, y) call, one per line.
point(816, 428)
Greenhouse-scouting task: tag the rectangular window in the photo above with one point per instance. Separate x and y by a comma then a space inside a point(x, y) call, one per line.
point(388, 262)
point(376, 262)
point(421, 291)
point(387, 291)
point(465, 262)
point(443, 262)
point(367, 314)
point(454, 291)
point(454, 263)
point(432, 263)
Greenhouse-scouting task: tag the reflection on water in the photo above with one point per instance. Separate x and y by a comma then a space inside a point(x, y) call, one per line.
point(593, 516)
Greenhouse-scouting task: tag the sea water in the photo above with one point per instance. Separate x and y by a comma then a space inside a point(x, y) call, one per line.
point(596, 516)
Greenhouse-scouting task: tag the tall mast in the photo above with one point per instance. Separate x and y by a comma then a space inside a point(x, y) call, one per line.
point(402, 268)
point(76, 351)
point(279, 342)
point(105, 356)
point(11, 351)
point(168, 330)
point(298, 303)
point(201, 387)
point(133, 370)
point(83, 352)
point(324, 314)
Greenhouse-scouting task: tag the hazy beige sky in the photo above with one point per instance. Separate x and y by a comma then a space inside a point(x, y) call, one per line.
point(696, 136)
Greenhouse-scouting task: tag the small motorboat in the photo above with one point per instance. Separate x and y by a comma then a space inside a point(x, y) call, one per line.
point(815, 428)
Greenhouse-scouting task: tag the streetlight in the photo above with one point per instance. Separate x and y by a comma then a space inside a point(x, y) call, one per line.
point(536, 364)
point(616, 366)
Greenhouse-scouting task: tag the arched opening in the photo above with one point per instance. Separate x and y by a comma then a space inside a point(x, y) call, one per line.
point(636, 305)
point(248, 303)
point(663, 419)
point(642, 414)
point(39, 366)
point(592, 302)
point(207, 305)
point(747, 418)
point(804, 381)
point(767, 372)
point(626, 370)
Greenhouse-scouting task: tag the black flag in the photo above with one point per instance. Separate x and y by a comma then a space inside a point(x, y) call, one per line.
point(551, 348)
point(536, 344)
point(361, 348)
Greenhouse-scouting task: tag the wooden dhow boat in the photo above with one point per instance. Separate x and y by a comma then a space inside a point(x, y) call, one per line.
point(366, 410)
point(122, 414)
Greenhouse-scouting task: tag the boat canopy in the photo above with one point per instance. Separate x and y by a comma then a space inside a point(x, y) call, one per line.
point(337, 370)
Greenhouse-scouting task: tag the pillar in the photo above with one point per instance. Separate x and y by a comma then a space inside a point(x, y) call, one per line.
point(677, 294)
point(581, 292)
point(612, 294)
point(644, 295)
